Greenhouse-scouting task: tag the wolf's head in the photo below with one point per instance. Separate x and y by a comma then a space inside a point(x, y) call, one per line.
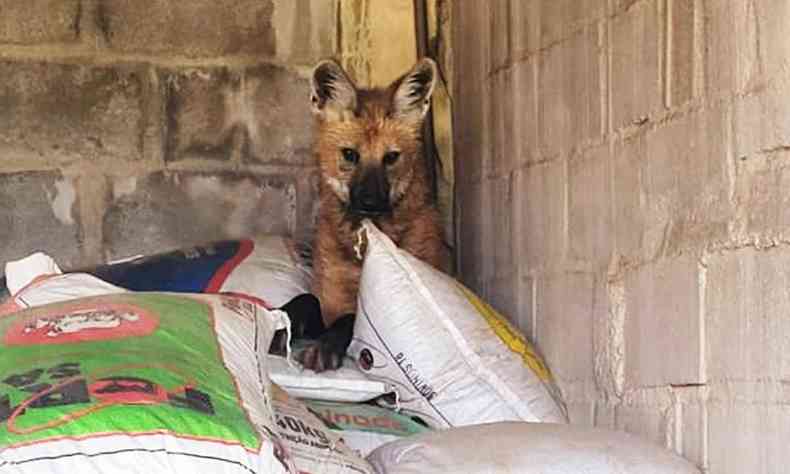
point(369, 140)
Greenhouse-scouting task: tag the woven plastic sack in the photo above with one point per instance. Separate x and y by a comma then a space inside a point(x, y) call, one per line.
point(139, 383)
point(527, 448)
point(450, 357)
point(315, 448)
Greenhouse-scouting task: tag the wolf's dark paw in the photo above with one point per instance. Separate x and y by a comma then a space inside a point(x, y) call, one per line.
point(320, 356)
point(327, 352)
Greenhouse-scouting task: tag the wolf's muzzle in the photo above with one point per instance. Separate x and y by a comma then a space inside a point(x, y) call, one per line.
point(370, 196)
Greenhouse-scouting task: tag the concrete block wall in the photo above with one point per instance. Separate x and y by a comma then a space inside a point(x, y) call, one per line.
point(132, 126)
point(622, 175)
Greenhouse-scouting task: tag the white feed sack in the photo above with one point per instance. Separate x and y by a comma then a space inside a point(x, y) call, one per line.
point(139, 383)
point(46, 289)
point(527, 448)
point(345, 384)
point(451, 359)
point(274, 271)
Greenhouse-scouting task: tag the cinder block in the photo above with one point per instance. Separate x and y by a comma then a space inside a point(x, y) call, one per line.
point(204, 109)
point(39, 21)
point(503, 295)
point(636, 64)
point(762, 120)
point(58, 113)
point(262, 113)
point(469, 214)
point(731, 45)
point(761, 194)
point(554, 105)
point(194, 28)
point(652, 422)
point(539, 210)
point(39, 214)
point(609, 338)
point(504, 152)
point(662, 324)
point(748, 436)
point(689, 157)
point(585, 71)
point(307, 205)
point(279, 122)
point(682, 59)
point(629, 158)
point(771, 18)
point(526, 306)
point(604, 415)
point(581, 413)
point(686, 182)
point(570, 109)
point(525, 116)
point(747, 327)
point(164, 211)
point(565, 326)
point(693, 426)
point(305, 30)
point(499, 247)
point(589, 202)
point(559, 19)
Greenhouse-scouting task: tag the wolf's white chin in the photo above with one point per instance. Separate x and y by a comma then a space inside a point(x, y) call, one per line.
point(339, 188)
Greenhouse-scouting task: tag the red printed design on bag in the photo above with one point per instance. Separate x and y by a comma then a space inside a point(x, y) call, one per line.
point(83, 323)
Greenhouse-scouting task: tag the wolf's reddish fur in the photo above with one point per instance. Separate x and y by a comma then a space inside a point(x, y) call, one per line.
point(372, 123)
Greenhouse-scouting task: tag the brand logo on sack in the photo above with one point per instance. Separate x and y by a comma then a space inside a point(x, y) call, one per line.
point(82, 322)
point(424, 388)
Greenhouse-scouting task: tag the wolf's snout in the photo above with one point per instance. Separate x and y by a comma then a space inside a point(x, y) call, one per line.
point(371, 195)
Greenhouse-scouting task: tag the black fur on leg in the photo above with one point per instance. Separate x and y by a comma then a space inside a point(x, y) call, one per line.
point(304, 312)
point(327, 352)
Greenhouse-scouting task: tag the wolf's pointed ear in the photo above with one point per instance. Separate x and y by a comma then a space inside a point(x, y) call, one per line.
point(412, 96)
point(333, 94)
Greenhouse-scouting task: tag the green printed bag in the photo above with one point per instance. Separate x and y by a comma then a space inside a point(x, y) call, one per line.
point(139, 382)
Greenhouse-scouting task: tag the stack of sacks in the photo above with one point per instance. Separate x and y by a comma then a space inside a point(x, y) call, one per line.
point(449, 359)
point(456, 363)
point(100, 379)
point(139, 383)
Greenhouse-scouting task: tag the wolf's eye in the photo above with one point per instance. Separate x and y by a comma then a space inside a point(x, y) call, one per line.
point(391, 157)
point(350, 155)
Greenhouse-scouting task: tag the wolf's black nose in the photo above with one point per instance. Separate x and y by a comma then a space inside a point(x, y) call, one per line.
point(370, 195)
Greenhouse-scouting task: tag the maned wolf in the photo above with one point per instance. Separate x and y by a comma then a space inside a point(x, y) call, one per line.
point(369, 144)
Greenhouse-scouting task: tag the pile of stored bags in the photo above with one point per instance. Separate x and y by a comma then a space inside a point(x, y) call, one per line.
point(459, 365)
point(138, 382)
point(96, 378)
point(189, 386)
